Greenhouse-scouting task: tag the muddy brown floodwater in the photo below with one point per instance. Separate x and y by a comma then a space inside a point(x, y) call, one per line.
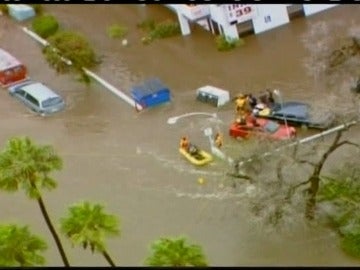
point(129, 161)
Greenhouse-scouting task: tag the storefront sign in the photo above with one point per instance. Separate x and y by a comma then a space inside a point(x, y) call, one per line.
point(236, 13)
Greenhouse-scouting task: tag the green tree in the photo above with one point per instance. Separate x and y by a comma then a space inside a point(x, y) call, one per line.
point(24, 165)
point(18, 247)
point(71, 46)
point(87, 225)
point(175, 252)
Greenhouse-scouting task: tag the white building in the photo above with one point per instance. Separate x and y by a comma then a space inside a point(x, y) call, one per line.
point(234, 19)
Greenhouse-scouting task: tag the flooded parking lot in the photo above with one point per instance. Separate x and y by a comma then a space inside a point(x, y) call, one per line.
point(129, 161)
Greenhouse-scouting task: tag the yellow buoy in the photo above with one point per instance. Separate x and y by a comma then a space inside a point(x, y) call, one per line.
point(201, 180)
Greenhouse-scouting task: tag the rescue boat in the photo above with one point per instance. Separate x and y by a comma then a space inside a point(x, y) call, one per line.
point(200, 158)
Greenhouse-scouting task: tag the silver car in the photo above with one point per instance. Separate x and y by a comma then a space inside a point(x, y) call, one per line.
point(38, 97)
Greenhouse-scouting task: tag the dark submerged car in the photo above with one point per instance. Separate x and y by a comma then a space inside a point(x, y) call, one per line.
point(299, 114)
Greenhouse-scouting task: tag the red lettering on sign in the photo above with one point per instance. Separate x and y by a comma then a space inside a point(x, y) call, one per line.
point(244, 11)
point(247, 10)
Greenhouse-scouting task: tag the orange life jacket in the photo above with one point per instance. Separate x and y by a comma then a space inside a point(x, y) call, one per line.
point(184, 143)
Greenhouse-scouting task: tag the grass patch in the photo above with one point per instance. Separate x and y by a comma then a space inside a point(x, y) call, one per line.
point(226, 44)
point(117, 31)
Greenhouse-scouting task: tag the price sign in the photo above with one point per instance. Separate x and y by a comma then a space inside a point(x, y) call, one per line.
point(237, 13)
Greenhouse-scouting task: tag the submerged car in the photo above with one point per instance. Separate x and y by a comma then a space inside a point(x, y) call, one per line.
point(11, 69)
point(263, 128)
point(38, 97)
point(297, 114)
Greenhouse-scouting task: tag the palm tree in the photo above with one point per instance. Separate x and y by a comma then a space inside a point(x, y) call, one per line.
point(87, 225)
point(24, 165)
point(18, 247)
point(175, 252)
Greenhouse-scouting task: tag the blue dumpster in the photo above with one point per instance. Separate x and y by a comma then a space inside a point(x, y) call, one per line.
point(151, 93)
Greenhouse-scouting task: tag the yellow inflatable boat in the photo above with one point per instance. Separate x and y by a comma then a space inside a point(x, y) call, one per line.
point(199, 158)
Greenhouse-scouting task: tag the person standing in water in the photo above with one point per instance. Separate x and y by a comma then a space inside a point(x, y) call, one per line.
point(218, 140)
point(184, 143)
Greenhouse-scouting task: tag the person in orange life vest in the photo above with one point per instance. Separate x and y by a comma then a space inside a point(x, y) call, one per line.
point(243, 107)
point(218, 140)
point(184, 143)
point(240, 103)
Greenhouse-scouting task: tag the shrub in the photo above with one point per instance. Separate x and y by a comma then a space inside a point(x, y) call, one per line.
point(225, 44)
point(147, 25)
point(160, 30)
point(117, 31)
point(351, 244)
point(72, 46)
point(165, 29)
point(4, 9)
point(146, 40)
point(45, 25)
point(38, 8)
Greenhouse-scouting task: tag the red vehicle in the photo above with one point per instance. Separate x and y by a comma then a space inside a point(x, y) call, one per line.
point(263, 128)
point(11, 69)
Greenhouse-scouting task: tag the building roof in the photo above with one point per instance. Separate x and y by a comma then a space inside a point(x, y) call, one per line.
point(7, 60)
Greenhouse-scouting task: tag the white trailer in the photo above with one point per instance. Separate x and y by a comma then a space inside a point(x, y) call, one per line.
point(213, 95)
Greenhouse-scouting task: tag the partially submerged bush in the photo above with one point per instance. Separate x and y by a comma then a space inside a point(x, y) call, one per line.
point(147, 25)
point(45, 25)
point(4, 9)
point(160, 30)
point(116, 31)
point(71, 46)
point(226, 44)
point(165, 29)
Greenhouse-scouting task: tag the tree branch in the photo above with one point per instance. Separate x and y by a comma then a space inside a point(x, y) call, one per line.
point(279, 173)
point(295, 151)
point(348, 142)
point(293, 189)
point(306, 162)
point(241, 176)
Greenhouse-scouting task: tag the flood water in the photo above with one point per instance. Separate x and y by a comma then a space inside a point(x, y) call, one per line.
point(129, 161)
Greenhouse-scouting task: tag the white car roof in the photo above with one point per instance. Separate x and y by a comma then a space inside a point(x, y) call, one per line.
point(39, 91)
